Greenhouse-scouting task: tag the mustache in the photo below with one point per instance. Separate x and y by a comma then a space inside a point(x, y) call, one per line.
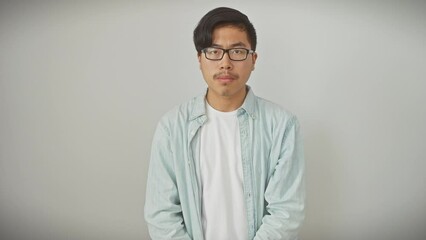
point(220, 74)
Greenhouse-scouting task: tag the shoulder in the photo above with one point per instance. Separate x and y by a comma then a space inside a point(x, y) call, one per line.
point(181, 113)
point(274, 112)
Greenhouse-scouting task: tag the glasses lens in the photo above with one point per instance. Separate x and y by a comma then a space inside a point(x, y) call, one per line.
point(238, 54)
point(214, 53)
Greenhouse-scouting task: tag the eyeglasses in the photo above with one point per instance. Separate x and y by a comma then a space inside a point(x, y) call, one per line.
point(235, 54)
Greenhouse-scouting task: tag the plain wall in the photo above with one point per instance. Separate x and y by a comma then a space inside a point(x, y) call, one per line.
point(84, 83)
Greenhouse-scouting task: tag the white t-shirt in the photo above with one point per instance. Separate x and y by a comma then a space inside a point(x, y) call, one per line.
point(223, 206)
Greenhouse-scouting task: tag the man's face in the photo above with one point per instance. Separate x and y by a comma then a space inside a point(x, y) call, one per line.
point(227, 78)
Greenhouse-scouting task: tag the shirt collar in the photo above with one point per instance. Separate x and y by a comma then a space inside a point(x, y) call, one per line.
point(249, 105)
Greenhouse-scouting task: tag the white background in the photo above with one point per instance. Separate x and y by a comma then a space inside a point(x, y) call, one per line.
point(83, 84)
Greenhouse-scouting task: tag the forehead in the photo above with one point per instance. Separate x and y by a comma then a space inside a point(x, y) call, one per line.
point(225, 36)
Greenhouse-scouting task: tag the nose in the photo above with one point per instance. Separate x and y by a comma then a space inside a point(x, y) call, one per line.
point(225, 63)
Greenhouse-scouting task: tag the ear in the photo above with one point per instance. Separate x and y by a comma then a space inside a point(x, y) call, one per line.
point(254, 58)
point(199, 59)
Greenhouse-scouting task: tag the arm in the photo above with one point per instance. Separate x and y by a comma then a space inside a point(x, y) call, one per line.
point(285, 192)
point(163, 211)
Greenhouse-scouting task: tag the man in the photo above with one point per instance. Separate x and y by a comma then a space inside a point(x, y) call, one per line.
point(226, 165)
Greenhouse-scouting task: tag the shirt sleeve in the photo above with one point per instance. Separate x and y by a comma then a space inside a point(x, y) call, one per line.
point(285, 192)
point(163, 212)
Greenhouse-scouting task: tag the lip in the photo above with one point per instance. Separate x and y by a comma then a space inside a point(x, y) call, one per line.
point(225, 78)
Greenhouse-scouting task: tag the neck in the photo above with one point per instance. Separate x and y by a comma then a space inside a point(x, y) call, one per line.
point(226, 103)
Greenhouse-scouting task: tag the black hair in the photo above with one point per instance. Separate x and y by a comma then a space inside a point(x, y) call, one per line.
point(222, 16)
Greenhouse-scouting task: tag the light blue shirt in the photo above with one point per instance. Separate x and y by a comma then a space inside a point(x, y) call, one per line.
point(273, 171)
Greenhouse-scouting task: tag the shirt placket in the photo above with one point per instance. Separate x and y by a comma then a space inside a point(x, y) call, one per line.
point(192, 158)
point(243, 119)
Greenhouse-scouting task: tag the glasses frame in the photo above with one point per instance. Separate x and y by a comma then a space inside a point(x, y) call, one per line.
point(248, 51)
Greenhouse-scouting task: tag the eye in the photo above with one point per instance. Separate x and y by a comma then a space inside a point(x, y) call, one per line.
point(237, 51)
point(213, 51)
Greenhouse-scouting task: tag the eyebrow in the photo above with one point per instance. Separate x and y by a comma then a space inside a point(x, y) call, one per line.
point(238, 44)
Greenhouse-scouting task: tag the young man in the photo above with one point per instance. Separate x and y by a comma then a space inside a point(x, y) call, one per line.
point(226, 165)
